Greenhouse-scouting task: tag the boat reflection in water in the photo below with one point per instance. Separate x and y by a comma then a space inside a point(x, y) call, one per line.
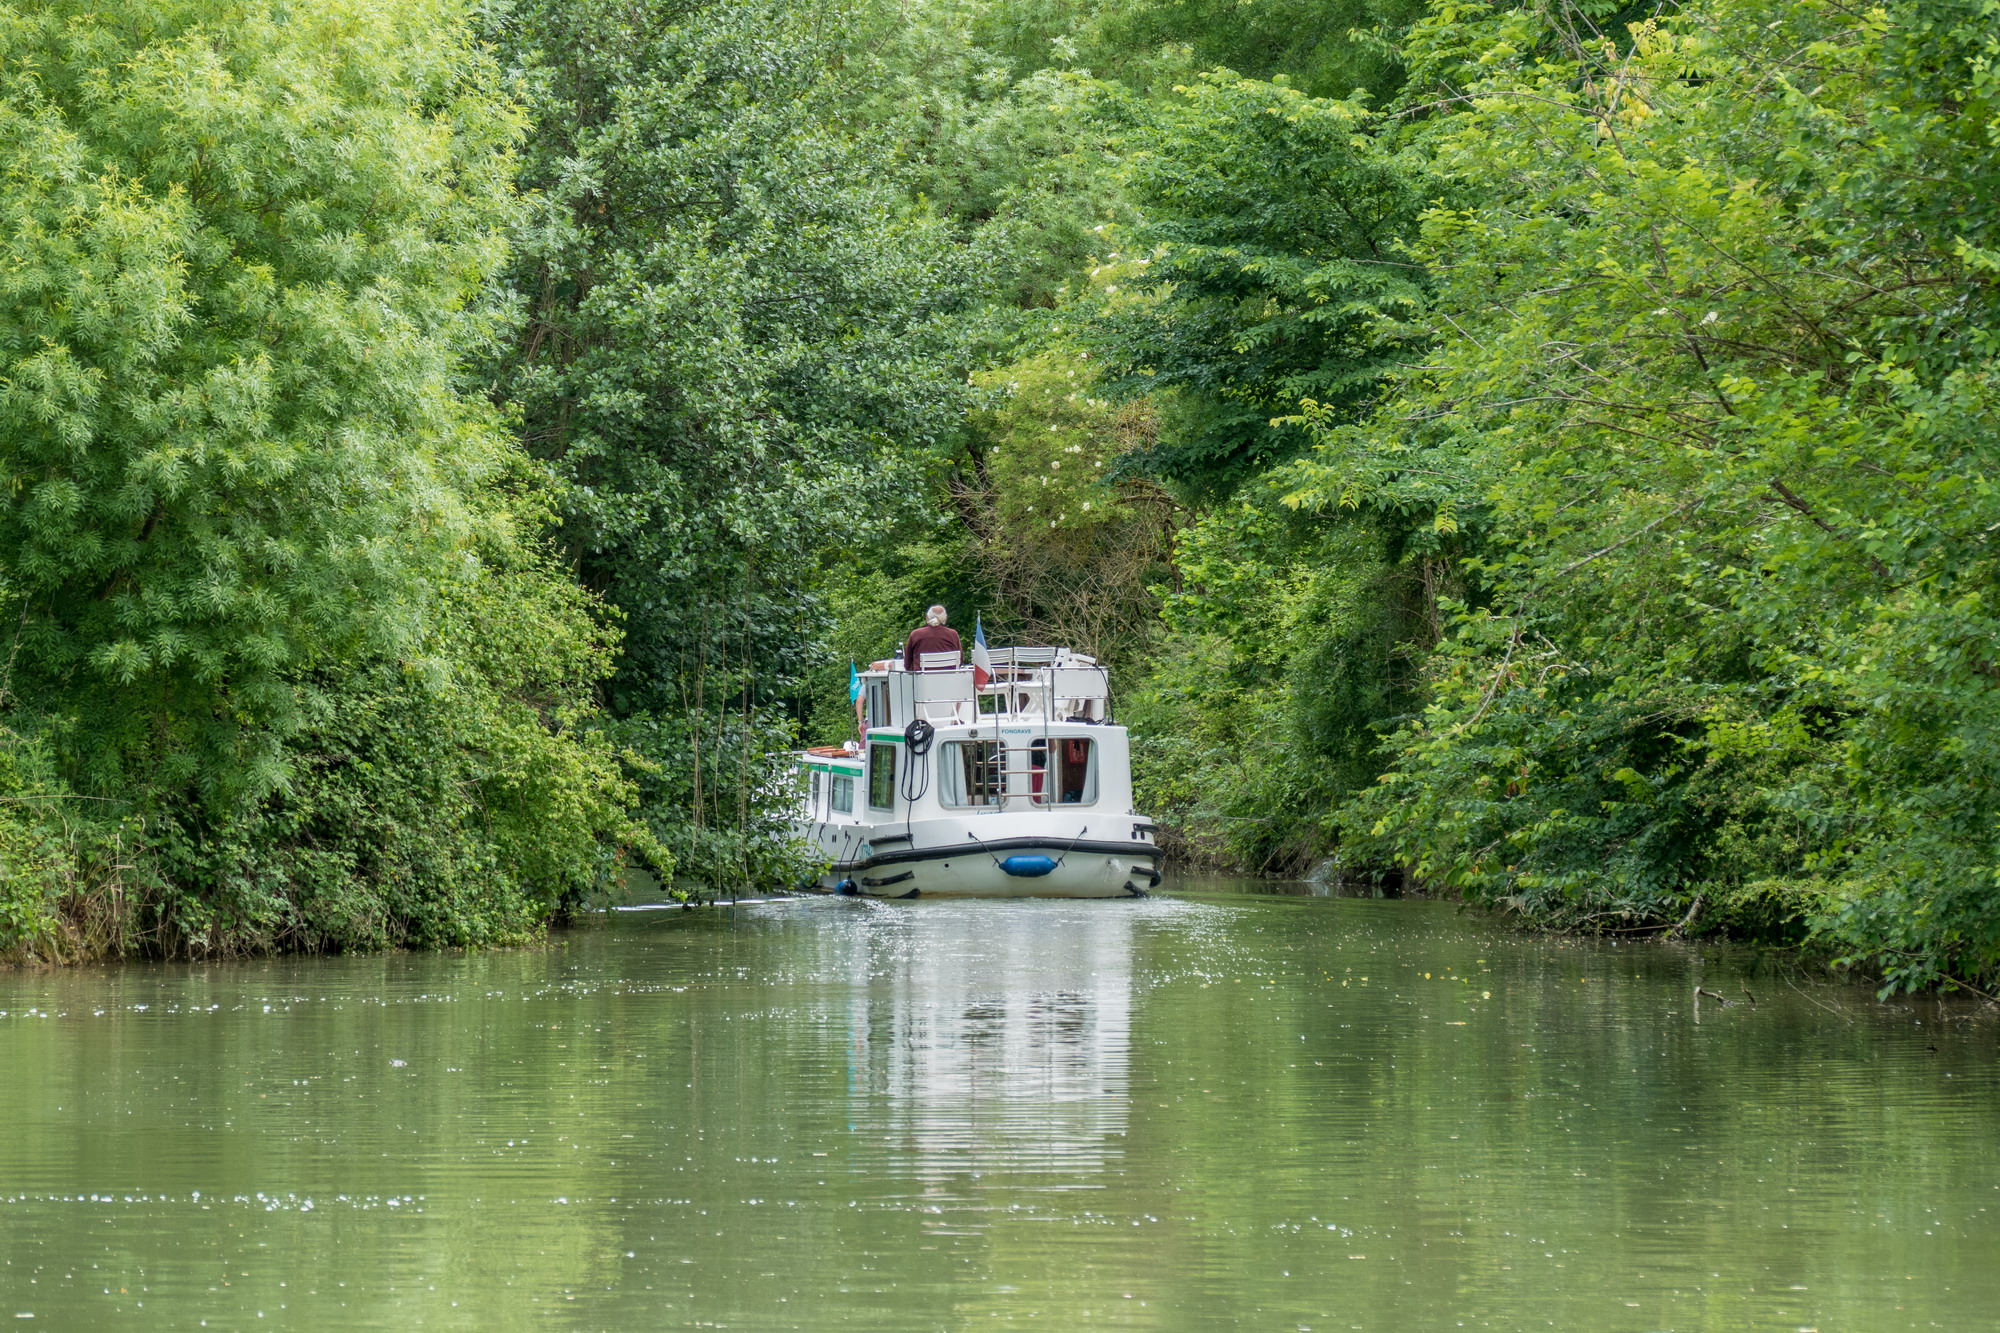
point(978, 1054)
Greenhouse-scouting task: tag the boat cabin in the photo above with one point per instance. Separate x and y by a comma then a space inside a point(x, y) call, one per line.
point(1033, 734)
point(1007, 778)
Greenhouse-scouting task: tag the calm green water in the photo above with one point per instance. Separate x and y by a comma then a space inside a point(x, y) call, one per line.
point(1214, 1110)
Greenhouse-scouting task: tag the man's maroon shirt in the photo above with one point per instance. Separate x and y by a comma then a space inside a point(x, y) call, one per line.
point(929, 639)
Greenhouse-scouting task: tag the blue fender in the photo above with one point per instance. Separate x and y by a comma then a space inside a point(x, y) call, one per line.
point(1028, 867)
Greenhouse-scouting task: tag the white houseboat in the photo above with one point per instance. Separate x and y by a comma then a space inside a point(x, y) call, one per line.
point(1015, 786)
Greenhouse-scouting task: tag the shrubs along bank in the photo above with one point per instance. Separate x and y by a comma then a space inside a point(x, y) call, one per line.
point(1665, 595)
point(289, 662)
point(1554, 446)
point(1709, 453)
point(1542, 452)
point(422, 427)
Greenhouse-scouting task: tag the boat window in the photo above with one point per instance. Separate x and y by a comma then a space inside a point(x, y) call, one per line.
point(878, 703)
point(1073, 780)
point(969, 773)
point(817, 775)
point(842, 794)
point(881, 777)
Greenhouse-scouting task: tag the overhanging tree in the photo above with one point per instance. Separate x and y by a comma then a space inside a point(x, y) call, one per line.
point(271, 583)
point(735, 353)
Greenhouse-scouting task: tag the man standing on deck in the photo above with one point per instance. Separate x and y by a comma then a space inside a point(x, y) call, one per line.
point(933, 636)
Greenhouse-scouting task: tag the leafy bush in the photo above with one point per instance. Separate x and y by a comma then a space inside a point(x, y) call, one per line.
point(733, 355)
point(277, 608)
point(1719, 380)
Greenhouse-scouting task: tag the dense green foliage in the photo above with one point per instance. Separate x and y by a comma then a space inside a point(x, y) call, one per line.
point(1540, 453)
point(1655, 590)
point(276, 670)
point(1582, 460)
point(734, 351)
point(1270, 270)
point(1720, 402)
point(229, 414)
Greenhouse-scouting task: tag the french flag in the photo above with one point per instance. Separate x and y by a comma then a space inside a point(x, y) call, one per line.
point(982, 661)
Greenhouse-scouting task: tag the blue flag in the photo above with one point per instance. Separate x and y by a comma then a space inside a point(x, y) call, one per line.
point(853, 682)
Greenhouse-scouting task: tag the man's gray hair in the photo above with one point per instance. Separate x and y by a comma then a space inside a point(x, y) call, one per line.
point(934, 616)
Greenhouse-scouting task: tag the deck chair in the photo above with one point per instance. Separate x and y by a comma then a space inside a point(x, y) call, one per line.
point(942, 689)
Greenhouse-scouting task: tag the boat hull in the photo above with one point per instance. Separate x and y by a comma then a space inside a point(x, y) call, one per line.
point(1013, 868)
point(955, 800)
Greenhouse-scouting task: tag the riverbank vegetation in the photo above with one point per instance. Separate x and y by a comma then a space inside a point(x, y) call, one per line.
point(1539, 452)
point(289, 662)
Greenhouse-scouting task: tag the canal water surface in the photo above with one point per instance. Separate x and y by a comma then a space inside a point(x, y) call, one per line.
point(1217, 1108)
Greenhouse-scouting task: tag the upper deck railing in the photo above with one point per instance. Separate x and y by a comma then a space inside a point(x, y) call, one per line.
point(1028, 683)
